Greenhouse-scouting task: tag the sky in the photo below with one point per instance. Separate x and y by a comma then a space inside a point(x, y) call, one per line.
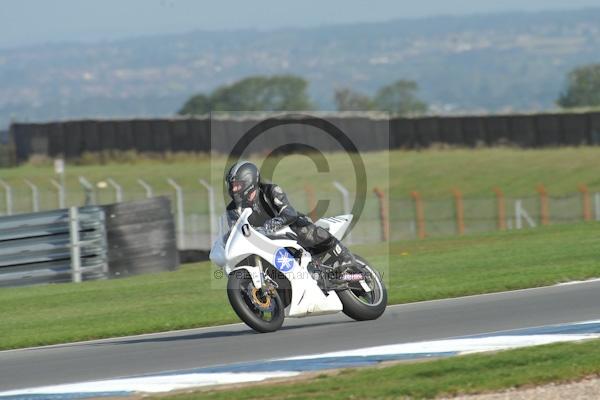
point(31, 22)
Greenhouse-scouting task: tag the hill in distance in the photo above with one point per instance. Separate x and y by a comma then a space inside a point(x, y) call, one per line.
point(498, 62)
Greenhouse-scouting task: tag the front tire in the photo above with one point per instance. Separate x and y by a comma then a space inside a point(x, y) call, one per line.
point(251, 306)
point(363, 306)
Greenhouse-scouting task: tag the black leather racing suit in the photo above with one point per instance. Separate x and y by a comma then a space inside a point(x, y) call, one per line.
point(272, 202)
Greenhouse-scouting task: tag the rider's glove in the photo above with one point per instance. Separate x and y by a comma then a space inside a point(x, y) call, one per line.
point(273, 225)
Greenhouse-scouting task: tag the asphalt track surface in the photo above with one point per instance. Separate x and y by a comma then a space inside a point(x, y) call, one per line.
point(439, 319)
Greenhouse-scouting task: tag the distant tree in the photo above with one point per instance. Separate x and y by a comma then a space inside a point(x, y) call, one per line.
point(583, 88)
point(196, 105)
point(257, 93)
point(399, 98)
point(349, 100)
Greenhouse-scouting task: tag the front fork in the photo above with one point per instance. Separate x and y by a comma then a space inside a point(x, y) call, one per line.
point(261, 272)
point(267, 285)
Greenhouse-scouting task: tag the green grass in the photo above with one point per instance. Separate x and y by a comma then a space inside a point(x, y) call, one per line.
point(465, 374)
point(455, 266)
point(71, 312)
point(417, 270)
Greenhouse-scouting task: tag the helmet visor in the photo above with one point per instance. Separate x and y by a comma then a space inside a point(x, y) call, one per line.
point(237, 186)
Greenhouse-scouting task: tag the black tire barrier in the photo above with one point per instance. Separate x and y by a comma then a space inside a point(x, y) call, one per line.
point(141, 237)
point(193, 256)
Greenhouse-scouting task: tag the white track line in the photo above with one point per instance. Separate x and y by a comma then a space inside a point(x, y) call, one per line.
point(577, 282)
point(154, 384)
point(459, 346)
point(167, 383)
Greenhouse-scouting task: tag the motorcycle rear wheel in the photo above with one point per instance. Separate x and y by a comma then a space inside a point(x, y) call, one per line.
point(360, 305)
point(249, 304)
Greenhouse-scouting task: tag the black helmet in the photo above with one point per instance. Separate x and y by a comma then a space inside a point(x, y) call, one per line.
point(242, 179)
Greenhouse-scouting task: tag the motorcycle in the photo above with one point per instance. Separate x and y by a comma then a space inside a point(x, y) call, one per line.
point(270, 276)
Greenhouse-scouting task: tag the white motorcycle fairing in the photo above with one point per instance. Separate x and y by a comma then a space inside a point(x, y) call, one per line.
point(337, 226)
point(244, 241)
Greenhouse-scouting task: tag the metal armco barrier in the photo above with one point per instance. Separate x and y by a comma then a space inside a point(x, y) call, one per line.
point(37, 247)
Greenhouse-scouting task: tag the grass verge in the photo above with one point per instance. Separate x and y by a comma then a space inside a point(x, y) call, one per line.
point(418, 270)
point(446, 377)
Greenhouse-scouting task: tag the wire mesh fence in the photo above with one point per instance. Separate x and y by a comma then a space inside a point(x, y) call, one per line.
point(381, 219)
point(441, 217)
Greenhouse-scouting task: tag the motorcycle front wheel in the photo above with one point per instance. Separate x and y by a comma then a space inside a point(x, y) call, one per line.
point(263, 312)
point(360, 304)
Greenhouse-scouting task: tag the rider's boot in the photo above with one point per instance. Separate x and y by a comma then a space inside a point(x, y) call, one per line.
point(326, 279)
point(332, 264)
point(338, 258)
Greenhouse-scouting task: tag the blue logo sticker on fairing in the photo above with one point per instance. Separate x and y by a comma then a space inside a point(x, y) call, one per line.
point(284, 261)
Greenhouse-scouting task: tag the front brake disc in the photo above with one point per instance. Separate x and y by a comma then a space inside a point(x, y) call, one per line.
point(263, 303)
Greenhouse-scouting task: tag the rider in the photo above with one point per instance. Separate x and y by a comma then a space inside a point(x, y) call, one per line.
point(273, 211)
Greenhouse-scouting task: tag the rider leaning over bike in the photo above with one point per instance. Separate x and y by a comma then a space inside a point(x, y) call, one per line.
point(272, 211)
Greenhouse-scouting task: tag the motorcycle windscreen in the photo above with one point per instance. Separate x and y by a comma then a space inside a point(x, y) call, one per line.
point(217, 251)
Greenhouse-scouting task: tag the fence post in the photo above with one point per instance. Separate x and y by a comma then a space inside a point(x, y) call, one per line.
point(544, 209)
point(311, 200)
point(586, 202)
point(180, 215)
point(346, 203)
point(383, 214)
point(59, 168)
point(61, 193)
point(146, 187)
point(74, 239)
point(211, 208)
point(501, 209)
point(420, 211)
point(518, 208)
point(460, 211)
point(118, 189)
point(90, 194)
point(35, 196)
point(9, 198)
point(597, 201)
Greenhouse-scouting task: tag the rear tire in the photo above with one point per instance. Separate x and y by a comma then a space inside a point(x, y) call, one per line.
point(358, 309)
point(238, 285)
